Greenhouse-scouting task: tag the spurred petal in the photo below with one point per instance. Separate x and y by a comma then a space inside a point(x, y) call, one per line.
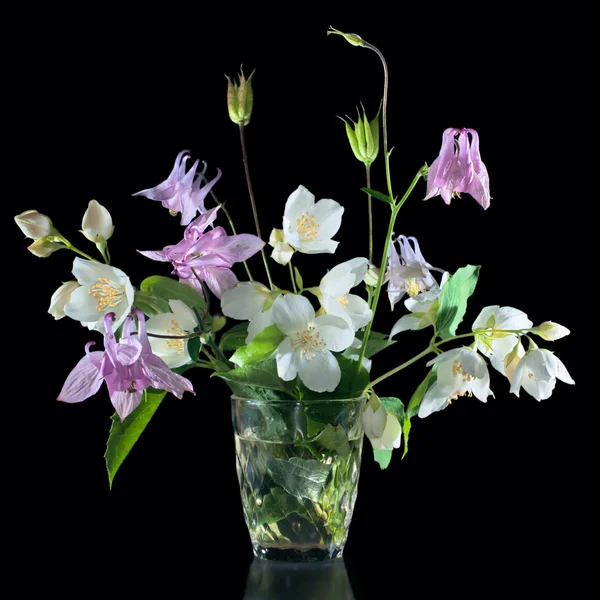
point(125, 402)
point(166, 189)
point(84, 380)
point(163, 378)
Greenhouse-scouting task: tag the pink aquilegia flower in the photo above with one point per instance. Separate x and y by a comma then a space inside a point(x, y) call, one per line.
point(208, 256)
point(180, 192)
point(458, 168)
point(408, 272)
point(128, 367)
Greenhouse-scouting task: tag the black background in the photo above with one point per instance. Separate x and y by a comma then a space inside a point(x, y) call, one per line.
point(99, 104)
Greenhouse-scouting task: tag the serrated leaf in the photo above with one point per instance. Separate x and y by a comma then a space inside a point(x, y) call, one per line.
point(262, 346)
point(123, 436)
point(413, 405)
point(379, 195)
point(234, 338)
point(170, 289)
point(300, 477)
point(453, 300)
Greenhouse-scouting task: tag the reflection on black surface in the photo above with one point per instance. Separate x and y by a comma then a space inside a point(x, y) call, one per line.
point(327, 580)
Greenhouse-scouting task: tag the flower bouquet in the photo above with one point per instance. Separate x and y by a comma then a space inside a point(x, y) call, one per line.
point(296, 353)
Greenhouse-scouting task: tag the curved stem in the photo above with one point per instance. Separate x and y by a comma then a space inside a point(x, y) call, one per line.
point(70, 246)
point(292, 278)
point(251, 193)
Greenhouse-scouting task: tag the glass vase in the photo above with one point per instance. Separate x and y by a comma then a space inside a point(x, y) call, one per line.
point(298, 465)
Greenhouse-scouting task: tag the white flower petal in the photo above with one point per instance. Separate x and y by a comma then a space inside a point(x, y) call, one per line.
point(562, 373)
point(258, 323)
point(286, 368)
point(337, 283)
point(82, 306)
point(518, 375)
point(484, 316)
point(406, 323)
point(321, 374)
point(292, 313)
point(481, 387)
point(318, 247)
point(335, 332)
point(542, 364)
point(392, 433)
point(328, 215)
point(60, 298)
point(244, 301)
point(299, 202)
point(374, 421)
point(433, 401)
point(472, 363)
point(184, 315)
point(540, 390)
point(358, 310)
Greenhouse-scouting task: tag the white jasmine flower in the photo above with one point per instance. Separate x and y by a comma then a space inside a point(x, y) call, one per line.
point(550, 331)
point(496, 345)
point(335, 292)
point(537, 373)
point(309, 343)
point(308, 226)
point(460, 372)
point(181, 321)
point(103, 289)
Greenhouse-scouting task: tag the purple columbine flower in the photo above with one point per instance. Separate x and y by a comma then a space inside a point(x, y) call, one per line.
point(458, 168)
point(208, 256)
point(180, 192)
point(408, 272)
point(128, 367)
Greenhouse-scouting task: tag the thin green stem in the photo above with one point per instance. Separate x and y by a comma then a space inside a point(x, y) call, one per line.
point(70, 246)
point(433, 347)
point(226, 212)
point(382, 270)
point(292, 278)
point(370, 209)
point(252, 201)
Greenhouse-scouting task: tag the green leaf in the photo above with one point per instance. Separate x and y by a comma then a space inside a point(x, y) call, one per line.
point(383, 457)
point(415, 401)
point(150, 305)
point(453, 300)
point(235, 337)
point(298, 278)
point(395, 406)
point(300, 477)
point(332, 438)
point(259, 381)
point(124, 435)
point(262, 346)
point(170, 289)
point(278, 505)
point(379, 195)
point(377, 342)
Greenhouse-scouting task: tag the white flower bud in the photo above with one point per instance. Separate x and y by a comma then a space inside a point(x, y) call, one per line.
point(97, 225)
point(61, 297)
point(282, 251)
point(34, 225)
point(43, 249)
point(550, 331)
point(371, 276)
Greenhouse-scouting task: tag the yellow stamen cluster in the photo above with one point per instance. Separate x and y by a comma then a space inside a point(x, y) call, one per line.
point(343, 300)
point(178, 345)
point(107, 294)
point(458, 371)
point(307, 227)
point(414, 287)
point(309, 341)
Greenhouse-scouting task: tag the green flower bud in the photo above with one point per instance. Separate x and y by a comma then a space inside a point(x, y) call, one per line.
point(351, 38)
point(364, 137)
point(240, 99)
point(44, 247)
point(218, 322)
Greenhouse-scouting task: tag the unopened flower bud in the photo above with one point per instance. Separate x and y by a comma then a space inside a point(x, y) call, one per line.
point(351, 38)
point(550, 331)
point(282, 251)
point(371, 276)
point(364, 137)
point(97, 225)
point(218, 322)
point(61, 297)
point(240, 99)
point(380, 425)
point(35, 225)
point(44, 248)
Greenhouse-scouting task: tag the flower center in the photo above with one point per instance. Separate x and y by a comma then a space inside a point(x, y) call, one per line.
point(458, 371)
point(414, 287)
point(343, 300)
point(307, 227)
point(107, 293)
point(309, 342)
point(177, 345)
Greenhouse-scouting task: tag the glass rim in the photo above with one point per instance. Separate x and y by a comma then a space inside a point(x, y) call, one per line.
point(294, 401)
